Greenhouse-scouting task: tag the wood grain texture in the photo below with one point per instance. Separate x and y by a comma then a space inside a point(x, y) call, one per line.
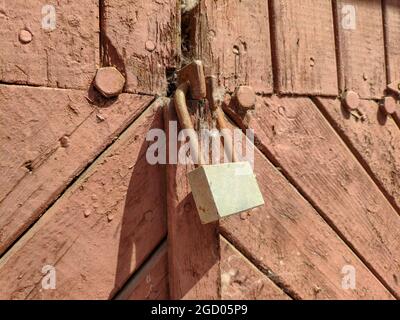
point(35, 165)
point(101, 229)
point(361, 48)
point(290, 242)
point(374, 137)
point(141, 38)
point(65, 57)
point(297, 137)
point(233, 40)
point(241, 280)
point(304, 47)
point(193, 248)
point(392, 37)
point(151, 281)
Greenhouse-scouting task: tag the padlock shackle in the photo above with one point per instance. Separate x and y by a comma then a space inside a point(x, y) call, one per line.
point(185, 120)
point(215, 105)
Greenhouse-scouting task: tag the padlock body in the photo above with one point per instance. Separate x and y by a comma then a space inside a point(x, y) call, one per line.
point(224, 189)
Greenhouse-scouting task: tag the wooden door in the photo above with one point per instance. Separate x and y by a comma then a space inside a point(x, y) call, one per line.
point(78, 195)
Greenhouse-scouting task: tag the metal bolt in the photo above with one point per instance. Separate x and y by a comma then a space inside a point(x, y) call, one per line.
point(245, 98)
point(25, 36)
point(109, 81)
point(351, 100)
point(389, 105)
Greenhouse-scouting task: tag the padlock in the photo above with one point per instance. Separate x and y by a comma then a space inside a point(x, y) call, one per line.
point(219, 190)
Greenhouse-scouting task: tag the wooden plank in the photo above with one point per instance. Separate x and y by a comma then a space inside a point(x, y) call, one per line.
point(193, 248)
point(233, 40)
point(44, 146)
point(299, 139)
point(141, 38)
point(375, 139)
point(63, 57)
point(290, 242)
point(361, 47)
point(151, 281)
point(392, 38)
point(304, 47)
point(241, 280)
point(101, 229)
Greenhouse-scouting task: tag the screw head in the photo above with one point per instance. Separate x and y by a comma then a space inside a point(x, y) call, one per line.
point(25, 36)
point(245, 97)
point(351, 100)
point(150, 46)
point(109, 81)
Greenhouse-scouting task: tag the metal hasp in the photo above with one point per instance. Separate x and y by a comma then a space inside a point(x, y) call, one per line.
point(218, 190)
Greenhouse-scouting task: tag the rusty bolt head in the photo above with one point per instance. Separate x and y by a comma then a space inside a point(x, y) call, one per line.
point(245, 97)
point(109, 81)
point(389, 105)
point(351, 100)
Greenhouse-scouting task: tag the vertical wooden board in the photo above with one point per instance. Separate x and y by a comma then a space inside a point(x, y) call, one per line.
point(35, 163)
point(193, 248)
point(241, 280)
point(233, 39)
point(361, 47)
point(100, 230)
point(299, 139)
point(374, 137)
point(294, 246)
point(141, 39)
point(392, 37)
point(63, 57)
point(151, 281)
point(304, 47)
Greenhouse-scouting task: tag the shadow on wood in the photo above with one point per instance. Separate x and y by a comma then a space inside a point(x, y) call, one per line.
point(143, 225)
point(193, 248)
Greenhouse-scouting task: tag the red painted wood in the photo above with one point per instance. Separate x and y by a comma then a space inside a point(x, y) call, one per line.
point(100, 230)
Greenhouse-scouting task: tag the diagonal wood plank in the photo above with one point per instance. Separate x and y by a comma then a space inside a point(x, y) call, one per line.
point(241, 280)
point(392, 38)
point(361, 47)
point(293, 245)
point(193, 248)
point(304, 47)
point(375, 139)
point(293, 133)
point(101, 229)
point(63, 56)
point(233, 40)
point(142, 39)
point(151, 281)
point(44, 146)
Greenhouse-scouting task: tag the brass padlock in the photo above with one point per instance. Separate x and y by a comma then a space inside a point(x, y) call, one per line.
point(218, 190)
